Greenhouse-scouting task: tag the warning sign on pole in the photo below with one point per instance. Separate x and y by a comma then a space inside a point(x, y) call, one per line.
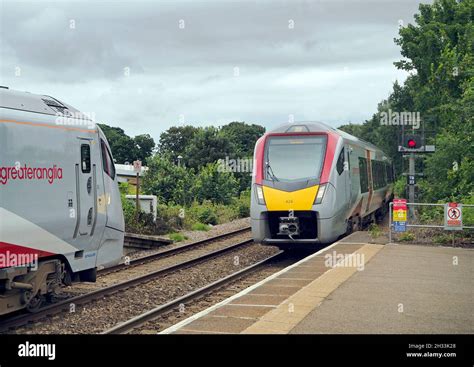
point(137, 166)
point(453, 216)
point(399, 210)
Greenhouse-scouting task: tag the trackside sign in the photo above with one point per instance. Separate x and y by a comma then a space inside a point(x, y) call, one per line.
point(453, 216)
point(399, 210)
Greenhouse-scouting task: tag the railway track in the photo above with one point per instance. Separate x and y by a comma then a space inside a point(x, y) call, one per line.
point(65, 305)
point(175, 304)
point(169, 252)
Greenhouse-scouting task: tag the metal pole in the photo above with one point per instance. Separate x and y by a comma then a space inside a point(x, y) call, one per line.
point(411, 188)
point(137, 197)
point(390, 222)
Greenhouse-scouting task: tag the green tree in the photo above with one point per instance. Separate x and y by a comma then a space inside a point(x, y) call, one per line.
point(207, 146)
point(438, 53)
point(244, 136)
point(170, 183)
point(219, 187)
point(353, 129)
point(127, 149)
point(144, 147)
point(122, 146)
point(175, 140)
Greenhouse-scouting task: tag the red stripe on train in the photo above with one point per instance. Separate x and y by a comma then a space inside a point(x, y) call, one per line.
point(15, 255)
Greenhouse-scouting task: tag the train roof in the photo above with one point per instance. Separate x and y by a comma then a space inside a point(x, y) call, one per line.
point(37, 103)
point(317, 126)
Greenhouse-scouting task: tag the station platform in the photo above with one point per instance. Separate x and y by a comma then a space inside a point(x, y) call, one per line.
point(374, 288)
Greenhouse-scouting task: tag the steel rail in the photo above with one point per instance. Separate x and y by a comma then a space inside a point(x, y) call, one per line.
point(168, 252)
point(56, 308)
point(140, 320)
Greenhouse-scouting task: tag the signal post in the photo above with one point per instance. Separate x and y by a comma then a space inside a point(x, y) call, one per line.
point(413, 144)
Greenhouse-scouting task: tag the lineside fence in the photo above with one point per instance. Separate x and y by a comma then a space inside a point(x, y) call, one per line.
point(431, 222)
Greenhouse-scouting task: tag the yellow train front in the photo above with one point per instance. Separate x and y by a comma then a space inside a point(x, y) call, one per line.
point(312, 184)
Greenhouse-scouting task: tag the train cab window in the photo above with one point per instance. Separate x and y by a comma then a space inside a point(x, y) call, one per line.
point(107, 160)
point(364, 180)
point(85, 158)
point(340, 162)
point(286, 157)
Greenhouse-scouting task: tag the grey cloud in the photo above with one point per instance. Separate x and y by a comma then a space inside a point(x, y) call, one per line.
point(335, 65)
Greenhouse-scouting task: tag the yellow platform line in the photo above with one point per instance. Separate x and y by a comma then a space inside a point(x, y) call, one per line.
point(292, 311)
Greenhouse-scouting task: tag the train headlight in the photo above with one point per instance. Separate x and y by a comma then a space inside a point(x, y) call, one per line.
point(320, 194)
point(260, 197)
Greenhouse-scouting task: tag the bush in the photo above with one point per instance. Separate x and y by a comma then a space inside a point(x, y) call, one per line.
point(431, 215)
point(442, 239)
point(202, 213)
point(200, 227)
point(177, 237)
point(173, 215)
point(407, 237)
point(129, 211)
point(170, 183)
point(399, 187)
point(211, 184)
point(374, 230)
point(468, 212)
point(243, 204)
point(226, 213)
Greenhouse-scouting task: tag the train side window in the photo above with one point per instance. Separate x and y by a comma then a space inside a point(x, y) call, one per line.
point(85, 158)
point(375, 174)
point(389, 168)
point(107, 160)
point(364, 181)
point(378, 174)
point(340, 162)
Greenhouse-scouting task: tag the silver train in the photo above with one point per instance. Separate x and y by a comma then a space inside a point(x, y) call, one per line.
point(60, 210)
point(313, 183)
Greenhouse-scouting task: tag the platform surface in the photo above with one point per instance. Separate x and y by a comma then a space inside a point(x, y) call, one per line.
point(404, 289)
point(374, 288)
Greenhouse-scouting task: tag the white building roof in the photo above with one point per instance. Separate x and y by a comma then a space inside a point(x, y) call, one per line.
point(127, 170)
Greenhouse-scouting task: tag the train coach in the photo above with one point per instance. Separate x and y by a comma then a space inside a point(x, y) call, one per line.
point(312, 184)
point(60, 210)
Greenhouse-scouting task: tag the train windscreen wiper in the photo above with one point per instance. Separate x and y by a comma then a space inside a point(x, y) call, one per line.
point(270, 172)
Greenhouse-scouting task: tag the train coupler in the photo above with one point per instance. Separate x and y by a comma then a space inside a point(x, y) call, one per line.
point(289, 226)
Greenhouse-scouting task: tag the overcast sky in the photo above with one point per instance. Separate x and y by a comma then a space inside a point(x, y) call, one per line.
point(149, 65)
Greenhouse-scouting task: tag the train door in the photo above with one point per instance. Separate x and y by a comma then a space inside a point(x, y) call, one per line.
point(348, 176)
point(342, 184)
point(112, 194)
point(85, 192)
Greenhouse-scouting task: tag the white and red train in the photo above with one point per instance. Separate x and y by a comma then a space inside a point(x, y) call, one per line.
point(60, 210)
point(312, 184)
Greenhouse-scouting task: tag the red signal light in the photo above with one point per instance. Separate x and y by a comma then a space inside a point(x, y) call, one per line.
point(411, 143)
